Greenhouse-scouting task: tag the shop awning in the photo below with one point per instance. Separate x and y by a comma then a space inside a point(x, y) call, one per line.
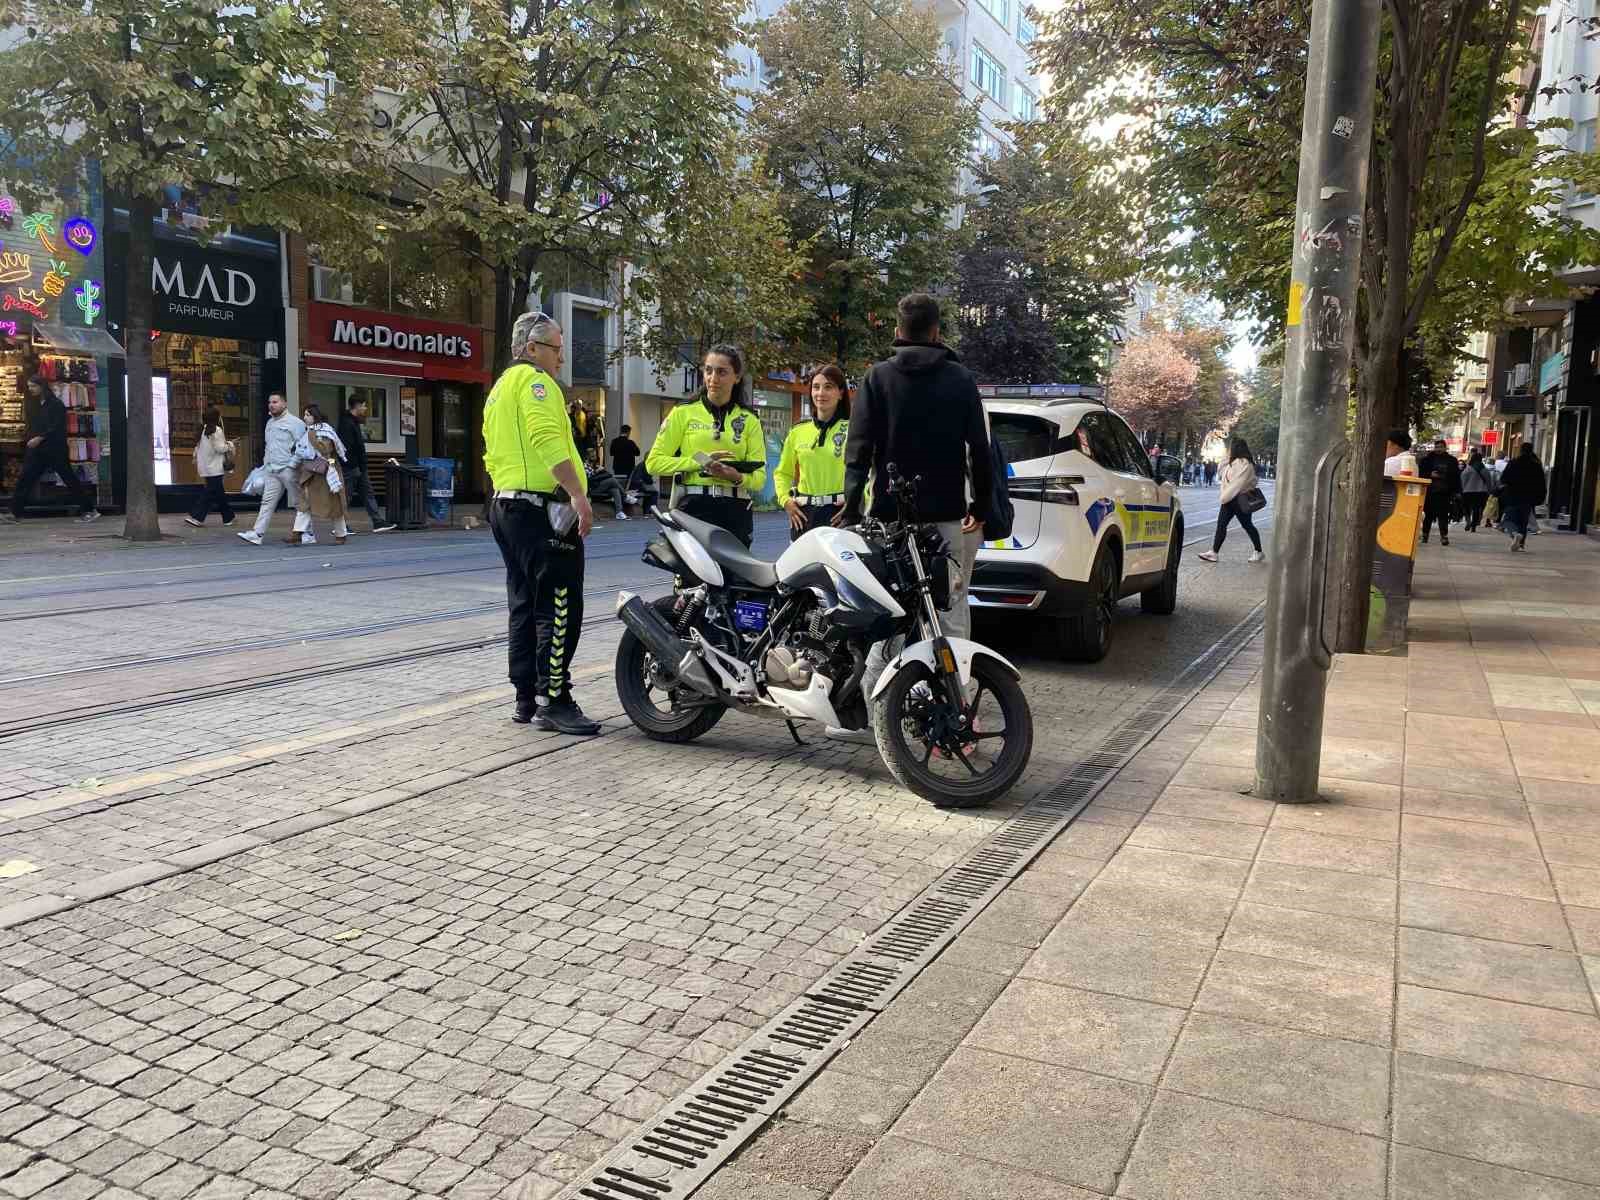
point(78, 339)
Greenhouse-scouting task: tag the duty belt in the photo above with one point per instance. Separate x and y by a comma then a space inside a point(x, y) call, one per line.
point(712, 489)
point(538, 499)
point(818, 501)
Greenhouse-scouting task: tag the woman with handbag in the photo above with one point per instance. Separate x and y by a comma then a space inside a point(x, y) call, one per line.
point(322, 486)
point(1241, 495)
point(213, 459)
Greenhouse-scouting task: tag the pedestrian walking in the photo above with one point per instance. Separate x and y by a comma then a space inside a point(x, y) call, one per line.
point(1443, 472)
point(46, 451)
point(540, 518)
point(1522, 488)
point(919, 409)
point(1210, 472)
point(323, 487)
point(624, 453)
point(1477, 481)
point(281, 462)
point(358, 476)
point(810, 478)
point(213, 458)
point(1238, 478)
point(714, 447)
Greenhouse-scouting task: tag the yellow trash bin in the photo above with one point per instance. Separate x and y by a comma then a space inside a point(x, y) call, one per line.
point(1394, 556)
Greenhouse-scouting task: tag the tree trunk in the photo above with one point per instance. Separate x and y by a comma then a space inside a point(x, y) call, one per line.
point(1375, 415)
point(504, 316)
point(141, 523)
point(841, 337)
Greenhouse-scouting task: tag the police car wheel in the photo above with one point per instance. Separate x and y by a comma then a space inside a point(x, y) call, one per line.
point(1085, 636)
point(1162, 600)
point(653, 707)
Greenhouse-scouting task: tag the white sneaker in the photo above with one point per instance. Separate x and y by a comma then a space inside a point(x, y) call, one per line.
point(308, 539)
point(1207, 556)
point(90, 517)
point(249, 535)
point(191, 521)
point(1256, 556)
point(622, 516)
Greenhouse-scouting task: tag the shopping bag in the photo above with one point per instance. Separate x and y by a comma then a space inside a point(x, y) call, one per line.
point(1491, 510)
point(256, 482)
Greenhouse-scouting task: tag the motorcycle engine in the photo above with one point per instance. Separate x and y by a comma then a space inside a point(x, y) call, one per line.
point(810, 647)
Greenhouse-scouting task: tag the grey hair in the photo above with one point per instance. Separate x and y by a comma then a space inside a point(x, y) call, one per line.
point(528, 328)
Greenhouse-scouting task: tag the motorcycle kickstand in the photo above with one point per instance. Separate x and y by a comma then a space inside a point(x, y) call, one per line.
point(794, 733)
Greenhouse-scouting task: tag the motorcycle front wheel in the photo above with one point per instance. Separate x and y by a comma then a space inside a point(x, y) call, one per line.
point(955, 760)
point(658, 711)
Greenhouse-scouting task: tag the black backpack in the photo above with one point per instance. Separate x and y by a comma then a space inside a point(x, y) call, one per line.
point(1002, 513)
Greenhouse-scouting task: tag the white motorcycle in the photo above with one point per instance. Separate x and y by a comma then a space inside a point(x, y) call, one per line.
point(789, 639)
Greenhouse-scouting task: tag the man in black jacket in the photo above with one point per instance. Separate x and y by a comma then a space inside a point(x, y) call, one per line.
point(1522, 489)
point(47, 451)
point(1444, 472)
point(357, 478)
point(919, 410)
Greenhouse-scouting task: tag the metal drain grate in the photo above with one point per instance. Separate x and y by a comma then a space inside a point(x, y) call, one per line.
point(678, 1149)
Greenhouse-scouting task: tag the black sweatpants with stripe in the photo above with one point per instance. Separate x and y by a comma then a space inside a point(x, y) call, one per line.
point(544, 591)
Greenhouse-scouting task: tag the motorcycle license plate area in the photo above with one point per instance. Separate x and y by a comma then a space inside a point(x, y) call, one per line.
point(749, 616)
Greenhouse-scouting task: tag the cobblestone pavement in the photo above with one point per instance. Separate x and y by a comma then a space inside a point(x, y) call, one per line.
point(358, 935)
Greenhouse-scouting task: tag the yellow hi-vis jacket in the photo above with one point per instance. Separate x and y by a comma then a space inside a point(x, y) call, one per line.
point(691, 428)
point(820, 467)
point(526, 431)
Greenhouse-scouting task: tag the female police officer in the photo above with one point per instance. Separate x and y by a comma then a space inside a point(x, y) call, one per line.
point(810, 480)
point(720, 424)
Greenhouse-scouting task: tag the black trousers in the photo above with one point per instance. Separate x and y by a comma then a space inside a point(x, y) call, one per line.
point(1436, 508)
point(216, 496)
point(1474, 502)
point(817, 516)
point(730, 512)
point(544, 591)
point(39, 461)
point(1227, 513)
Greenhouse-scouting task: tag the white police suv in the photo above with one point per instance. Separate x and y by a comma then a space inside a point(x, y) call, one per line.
point(1096, 521)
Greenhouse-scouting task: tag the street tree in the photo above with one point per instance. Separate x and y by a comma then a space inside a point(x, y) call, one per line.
point(251, 107)
point(724, 268)
point(1206, 104)
point(1153, 381)
point(549, 135)
point(865, 129)
point(1260, 413)
point(1032, 306)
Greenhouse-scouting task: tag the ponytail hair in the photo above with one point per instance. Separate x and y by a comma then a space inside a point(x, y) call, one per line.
point(743, 390)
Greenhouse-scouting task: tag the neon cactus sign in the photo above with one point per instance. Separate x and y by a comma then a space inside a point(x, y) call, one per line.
point(87, 295)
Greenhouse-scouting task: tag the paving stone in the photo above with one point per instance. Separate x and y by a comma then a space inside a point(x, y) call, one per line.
point(1110, 1035)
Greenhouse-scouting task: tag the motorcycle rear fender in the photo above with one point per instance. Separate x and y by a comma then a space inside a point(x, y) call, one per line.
point(966, 653)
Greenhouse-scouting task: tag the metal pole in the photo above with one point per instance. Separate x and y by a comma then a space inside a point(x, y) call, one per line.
point(1335, 141)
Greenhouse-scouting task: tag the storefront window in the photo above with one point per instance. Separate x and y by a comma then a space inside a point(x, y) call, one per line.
point(382, 426)
point(199, 373)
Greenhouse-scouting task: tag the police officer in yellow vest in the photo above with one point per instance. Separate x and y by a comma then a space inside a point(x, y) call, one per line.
point(810, 479)
point(714, 447)
point(540, 516)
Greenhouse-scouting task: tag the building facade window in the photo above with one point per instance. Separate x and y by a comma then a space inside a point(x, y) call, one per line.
point(1027, 105)
point(1583, 141)
point(586, 346)
point(986, 145)
point(988, 75)
point(1025, 29)
point(1000, 10)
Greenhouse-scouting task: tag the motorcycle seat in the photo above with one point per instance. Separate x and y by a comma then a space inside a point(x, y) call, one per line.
point(728, 551)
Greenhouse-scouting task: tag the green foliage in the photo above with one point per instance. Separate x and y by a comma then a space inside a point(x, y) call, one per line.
point(724, 269)
point(1032, 307)
point(865, 129)
point(1260, 414)
point(552, 131)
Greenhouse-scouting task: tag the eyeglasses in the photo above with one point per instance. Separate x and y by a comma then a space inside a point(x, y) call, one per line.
point(553, 345)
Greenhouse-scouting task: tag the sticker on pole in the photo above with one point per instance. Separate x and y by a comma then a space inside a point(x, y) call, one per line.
point(1297, 301)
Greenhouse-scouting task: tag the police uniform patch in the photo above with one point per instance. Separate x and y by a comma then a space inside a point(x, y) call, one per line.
point(539, 391)
point(738, 428)
point(838, 443)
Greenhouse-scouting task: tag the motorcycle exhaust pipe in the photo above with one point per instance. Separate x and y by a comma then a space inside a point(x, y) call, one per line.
point(676, 656)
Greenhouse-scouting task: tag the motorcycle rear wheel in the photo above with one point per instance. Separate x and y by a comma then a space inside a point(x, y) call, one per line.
point(638, 691)
point(896, 719)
